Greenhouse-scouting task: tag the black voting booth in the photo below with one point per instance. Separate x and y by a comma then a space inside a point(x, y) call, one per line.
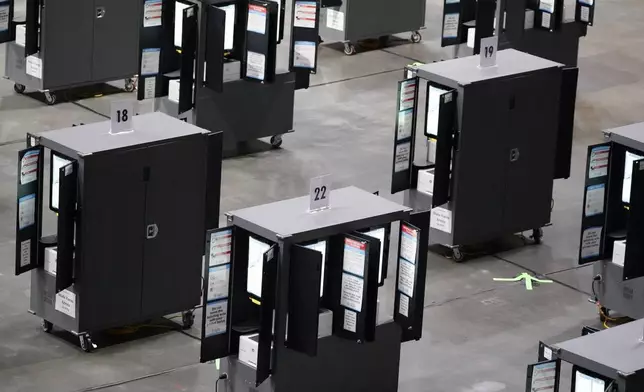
point(612, 222)
point(131, 211)
point(277, 269)
point(233, 45)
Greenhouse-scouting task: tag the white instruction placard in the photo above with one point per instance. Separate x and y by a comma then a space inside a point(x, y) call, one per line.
point(403, 306)
point(354, 257)
point(407, 94)
point(451, 25)
point(546, 18)
point(334, 19)
point(33, 67)
point(350, 320)
point(218, 278)
point(405, 124)
point(26, 211)
point(402, 157)
point(406, 277)
point(255, 65)
point(304, 53)
point(408, 243)
point(591, 242)
point(216, 316)
point(152, 11)
point(584, 14)
point(544, 377)
point(4, 18)
point(150, 85)
point(441, 219)
point(595, 200)
point(221, 246)
point(150, 59)
point(352, 292)
point(25, 253)
point(305, 14)
point(256, 19)
point(29, 167)
point(66, 303)
point(547, 353)
point(598, 165)
point(547, 5)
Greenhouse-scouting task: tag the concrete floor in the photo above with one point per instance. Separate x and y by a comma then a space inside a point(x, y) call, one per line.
point(479, 335)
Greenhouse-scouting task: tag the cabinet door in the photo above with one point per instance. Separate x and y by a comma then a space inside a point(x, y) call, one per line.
point(634, 256)
point(174, 226)
point(116, 38)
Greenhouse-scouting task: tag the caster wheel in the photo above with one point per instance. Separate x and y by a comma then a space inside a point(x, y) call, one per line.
point(19, 88)
point(47, 326)
point(129, 85)
point(86, 343)
point(276, 141)
point(50, 98)
point(537, 235)
point(349, 49)
point(416, 37)
point(457, 255)
point(187, 319)
point(604, 313)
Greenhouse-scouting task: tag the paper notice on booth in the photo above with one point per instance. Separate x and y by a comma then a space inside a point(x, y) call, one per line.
point(402, 157)
point(216, 316)
point(545, 20)
point(304, 54)
point(451, 25)
point(591, 242)
point(150, 86)
point(350, 320)
point(544, 378)
point(584, 13)
point(405, 124)
point(408, 243)
point(406, 277)
point(598, 166)
point(255, 65)
point(594, 200)
point(26, 211)
point(403, 306)
point(547, 5)
point(4, 18)
point(33, 67)
point(29, 167)
point(256, 19)
point(218, 282)
point(152, 11)
point(221, 246)
point(305, 14)
point(354, 256)
point(66, 303)
point(25, 253)
point(352, 291)
point(547, 353)
point(441, 219)
point(407, 94)
point(334, 19)
point(150, 59)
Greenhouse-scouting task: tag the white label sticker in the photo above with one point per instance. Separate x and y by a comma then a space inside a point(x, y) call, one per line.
point(350, 320)
point(407, 94)
point(354, 257)
point(216, 316)
point(334, 19)
point(218, 282)
point(488, 51)
point(403, 306)
point(405, 124)
point(598, 166)
point(595, 200)
point(547, 5)
point(26, 211)
point(547, 353)
point(51, 261)
point(319, 193)
point(590, 242)
point(29, 167)
point(25, 253)
point(4, 18)
point(451, 25)
point(150, 59)
point(406, 277)
point(255, 65)
point(441, 219)
point(256, 19)
point(121, 113)
point(545, 20)
point(584, 14)
point(304, 54)
point(66, 303)
point(305, 14)
point(152, 12)
point(408, 243)
point(352, 291)
point(402, 157)
point(33, 67)
point(150, 85)
point(221, 246)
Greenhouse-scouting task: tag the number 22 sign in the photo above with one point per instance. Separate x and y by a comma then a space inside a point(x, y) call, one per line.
point(320, 193)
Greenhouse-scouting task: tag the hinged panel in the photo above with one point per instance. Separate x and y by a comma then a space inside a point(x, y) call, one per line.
point(66, 225)
point(29, 200)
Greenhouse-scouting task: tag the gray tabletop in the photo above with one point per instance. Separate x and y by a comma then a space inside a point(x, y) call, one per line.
point(465, 70)
point(96, 137)
point(290, 217)
point(629, 135)
point(617, 348)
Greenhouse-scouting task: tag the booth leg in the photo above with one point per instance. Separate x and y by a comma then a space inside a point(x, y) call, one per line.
point(47, 326)
point(537, 235)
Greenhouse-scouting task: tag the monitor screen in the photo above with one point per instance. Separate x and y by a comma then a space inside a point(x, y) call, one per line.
point(628, 175)
point(379, 233)
point(229, 30)
point(178, 22)
point(256, 250)
point(320, 246)
point(587, 383)
point(57, 162)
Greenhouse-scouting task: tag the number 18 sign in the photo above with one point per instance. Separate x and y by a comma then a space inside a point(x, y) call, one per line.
point(320, 193)
point(121, 113)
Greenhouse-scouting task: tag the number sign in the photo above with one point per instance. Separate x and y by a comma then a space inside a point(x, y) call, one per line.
point(488, 51)
point(121, 116)
point(320, 193)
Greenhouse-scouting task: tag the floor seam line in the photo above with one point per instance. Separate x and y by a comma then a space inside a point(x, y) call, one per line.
point(123, 382)
point(354, 78)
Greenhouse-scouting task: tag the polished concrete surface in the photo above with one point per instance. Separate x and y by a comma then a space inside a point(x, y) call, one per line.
point(479, 335)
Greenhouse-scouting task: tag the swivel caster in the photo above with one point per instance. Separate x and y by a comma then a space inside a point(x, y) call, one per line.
point(19, 88)
point(50, 98)
point(416, 37)
point(47, 326)
point(86, 343)
point(187, 319)
point(130, 86)
point(457, 255)
point(537, 235)
point(349, 49)
point(276, 141)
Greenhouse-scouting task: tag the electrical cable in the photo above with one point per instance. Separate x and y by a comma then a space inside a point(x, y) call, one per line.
point(222, 377)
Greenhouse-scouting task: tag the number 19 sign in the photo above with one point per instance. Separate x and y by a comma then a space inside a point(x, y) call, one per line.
point(488, 51)
point(320, 193)
point(121, 113)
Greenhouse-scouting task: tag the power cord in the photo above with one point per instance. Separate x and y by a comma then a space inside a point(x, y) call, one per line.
point(222, 377)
